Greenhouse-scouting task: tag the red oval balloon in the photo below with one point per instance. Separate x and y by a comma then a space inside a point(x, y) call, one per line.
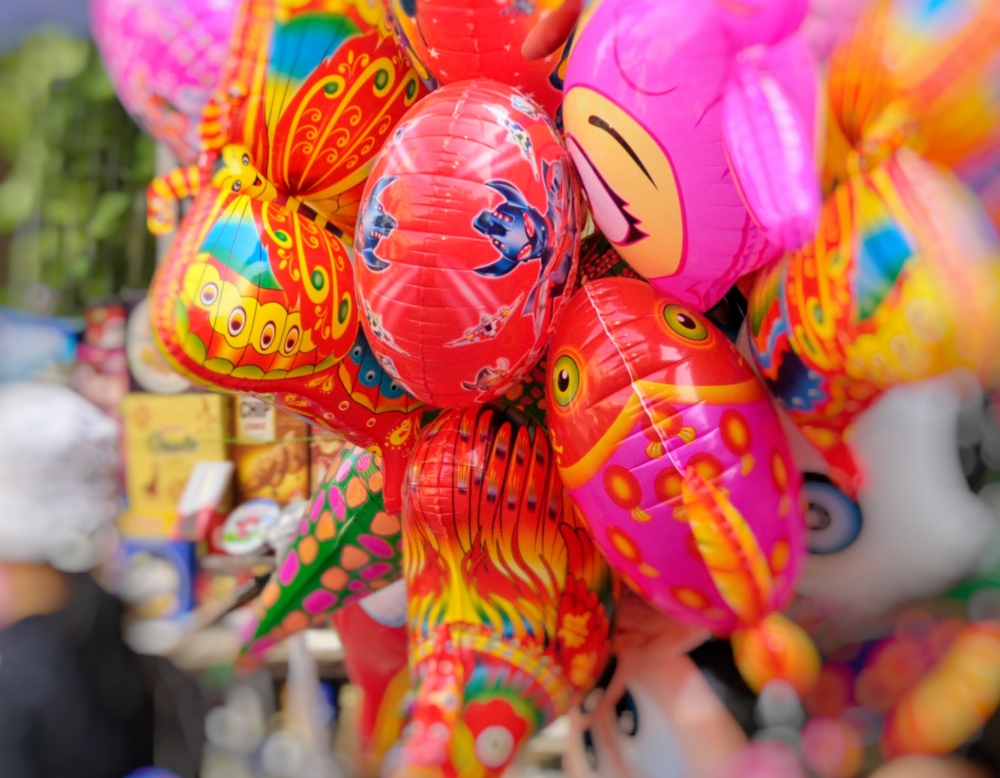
point(467, 243)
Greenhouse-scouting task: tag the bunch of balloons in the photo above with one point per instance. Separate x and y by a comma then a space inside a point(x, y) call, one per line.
point(685, 306)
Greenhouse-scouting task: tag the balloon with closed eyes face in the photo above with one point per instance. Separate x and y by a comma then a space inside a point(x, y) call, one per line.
point(692, 127)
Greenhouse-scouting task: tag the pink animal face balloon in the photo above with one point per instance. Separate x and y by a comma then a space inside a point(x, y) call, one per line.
point(164, 58)
point(670, 117)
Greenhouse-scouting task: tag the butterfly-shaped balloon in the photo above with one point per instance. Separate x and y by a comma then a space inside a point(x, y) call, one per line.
point(255, 298)
point(311, 91)
point(347, 547)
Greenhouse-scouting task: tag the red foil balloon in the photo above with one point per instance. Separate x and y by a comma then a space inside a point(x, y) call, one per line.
point(509, 599)
point(455, 40)
point(467, 243)
point(375, 659)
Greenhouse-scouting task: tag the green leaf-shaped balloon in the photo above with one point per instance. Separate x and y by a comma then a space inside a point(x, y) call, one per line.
point(347, 547)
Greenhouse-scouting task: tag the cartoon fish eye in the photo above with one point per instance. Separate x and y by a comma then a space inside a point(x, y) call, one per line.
point(209, 294)
point(237, 186)
point(565, 380)
point(246, 160)
point(589, 749)
point(267, 335)
point(832, 518)
point(237, 320)
point(370, 376)
point(627, 715)
point(356, 353)
point(393, 387)
point(684, 322)
point(291, 340)
point(494, 745)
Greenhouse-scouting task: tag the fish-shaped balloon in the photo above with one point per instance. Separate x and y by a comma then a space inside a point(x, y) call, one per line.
point(668, 443)
point(347, 547)
point(902, 283)
point(510, 602)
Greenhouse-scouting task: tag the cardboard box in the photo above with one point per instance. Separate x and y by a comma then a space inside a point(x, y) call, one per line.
point(165, 438)
point(271, 453)
point(323, 449)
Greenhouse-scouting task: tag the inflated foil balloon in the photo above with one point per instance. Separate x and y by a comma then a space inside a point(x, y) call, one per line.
point(467, 243)
point(164, 58)
point(901, 284)
point(673, 452)
point(347, 547)
point(920, 72)
point(311, 91)
point(509, 600)
point(457, 40)
point(652, 712)
point(692, 127)
point(376, 662)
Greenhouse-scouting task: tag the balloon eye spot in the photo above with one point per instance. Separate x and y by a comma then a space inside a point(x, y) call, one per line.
point(494, 746)
point(566, 383)
point(356, 352)
point(209, 294)
point(370, 376)
point(292, 340)
point(685, 323)
point(267, 336)
point(237, 321)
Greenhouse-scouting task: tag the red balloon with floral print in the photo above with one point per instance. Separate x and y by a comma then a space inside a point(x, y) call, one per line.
point(467, 243)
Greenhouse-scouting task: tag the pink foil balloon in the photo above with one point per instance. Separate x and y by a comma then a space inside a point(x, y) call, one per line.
point(692, 126)
point(164, 58)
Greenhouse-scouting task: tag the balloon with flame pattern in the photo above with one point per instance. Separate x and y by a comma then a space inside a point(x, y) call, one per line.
point(673, 452)
point(467, 243)
point(901, 284)
point(692, 127)
point(457, 40)
point(509, 600)
point(347, 547)
point(164, 58)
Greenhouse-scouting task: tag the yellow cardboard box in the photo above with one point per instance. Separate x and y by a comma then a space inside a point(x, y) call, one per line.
point(271, 453)
point(165, 437)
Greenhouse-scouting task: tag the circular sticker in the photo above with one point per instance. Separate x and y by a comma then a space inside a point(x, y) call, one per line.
point(247, 528)
point(146, 362)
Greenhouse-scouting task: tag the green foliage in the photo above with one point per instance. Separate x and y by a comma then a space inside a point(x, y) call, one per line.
point(76, 171)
